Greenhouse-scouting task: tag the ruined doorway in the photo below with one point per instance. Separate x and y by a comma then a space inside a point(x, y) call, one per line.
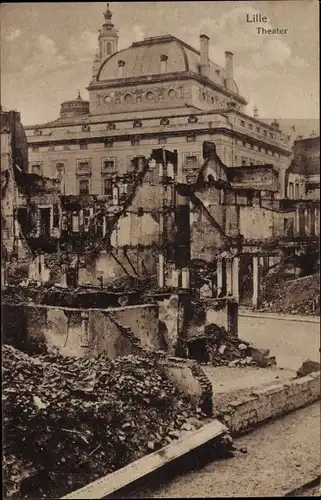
point(246, 280)
point(197, 349)
point(45, 217)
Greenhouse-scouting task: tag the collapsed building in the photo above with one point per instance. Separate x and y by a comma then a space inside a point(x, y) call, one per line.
point(189, 194)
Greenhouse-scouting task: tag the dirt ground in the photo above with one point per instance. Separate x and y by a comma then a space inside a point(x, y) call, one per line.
point(230, 384)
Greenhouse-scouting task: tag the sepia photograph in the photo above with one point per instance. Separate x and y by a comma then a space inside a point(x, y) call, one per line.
point(160, 249)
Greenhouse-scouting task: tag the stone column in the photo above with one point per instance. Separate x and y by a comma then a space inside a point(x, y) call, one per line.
point(63, 281)
point(229, 279)
point(175, 278)
point(161, 271)
point(255, 297)
point(297, 221)
point(235, 278)
point(219, 274)
point(42, 267)
point(306, 222)
point(316, 221)
point(185, 278)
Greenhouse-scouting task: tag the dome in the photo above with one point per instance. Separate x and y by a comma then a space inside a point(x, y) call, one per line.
point(145, 58)
point(74, 108)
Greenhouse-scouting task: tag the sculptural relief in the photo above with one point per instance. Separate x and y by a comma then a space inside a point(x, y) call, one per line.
point(137, 96)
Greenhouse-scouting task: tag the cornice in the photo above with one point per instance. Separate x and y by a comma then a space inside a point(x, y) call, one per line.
point(169, 133)
point(168, 77)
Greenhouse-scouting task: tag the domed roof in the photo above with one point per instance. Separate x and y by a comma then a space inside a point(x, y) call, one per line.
point(144, 59)
point(75, 107)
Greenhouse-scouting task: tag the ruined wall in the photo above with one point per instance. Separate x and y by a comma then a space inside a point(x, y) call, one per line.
point(104, 265)
point(206, 239)
point(256, 223)
point(79, 332)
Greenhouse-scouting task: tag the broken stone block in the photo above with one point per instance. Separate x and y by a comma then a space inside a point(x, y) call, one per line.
point(308, 366)
point(151, 445)
point(187, 427)
point(242, 347)
point(174, 434)
point(222, 349)
point(261, 356)
point(233, 363)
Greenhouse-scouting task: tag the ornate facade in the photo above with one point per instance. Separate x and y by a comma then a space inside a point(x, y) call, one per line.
point(158, 91)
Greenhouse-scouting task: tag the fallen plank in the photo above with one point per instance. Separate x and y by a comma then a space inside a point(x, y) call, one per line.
point(113, 482)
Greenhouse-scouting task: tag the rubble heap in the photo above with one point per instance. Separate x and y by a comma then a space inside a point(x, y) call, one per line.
point(224, 350)
point(298, 296)
point(70, 421)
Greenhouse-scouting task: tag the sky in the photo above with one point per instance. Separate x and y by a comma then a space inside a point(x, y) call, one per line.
point(47, 49)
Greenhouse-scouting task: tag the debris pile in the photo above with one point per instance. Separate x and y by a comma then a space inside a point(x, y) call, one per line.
point(69, 421)
point(225, 350)
point(308, 367)
point(298, 296)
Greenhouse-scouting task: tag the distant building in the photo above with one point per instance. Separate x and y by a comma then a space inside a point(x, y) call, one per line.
point(303, 175)
point(157, 92)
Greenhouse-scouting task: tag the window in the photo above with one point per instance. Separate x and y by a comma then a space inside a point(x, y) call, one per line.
point(83, 186)
point(108, 48)
point(258, 130)
point(191, 138)
point(83, 146)
point(250, 126)
point(297, 191)
point(134, 142)
point(36, 168)
point(83, 166)
point(271, 135)
point(56, 217)
point(265, 133)
point(109, 166)
point(242, 123)
point(35, 149)
point(51, 148)
point(190, 160)
point(108, 143)
point(108, 187)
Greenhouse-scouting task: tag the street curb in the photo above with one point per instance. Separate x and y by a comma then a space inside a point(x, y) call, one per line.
point(240, 417)
point(243, 415)
point(284, 317)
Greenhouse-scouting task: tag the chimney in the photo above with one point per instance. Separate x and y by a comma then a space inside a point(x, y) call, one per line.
point(229, 68)
point(204, 58)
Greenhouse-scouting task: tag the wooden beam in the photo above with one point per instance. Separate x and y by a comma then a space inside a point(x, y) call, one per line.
point(125, 476)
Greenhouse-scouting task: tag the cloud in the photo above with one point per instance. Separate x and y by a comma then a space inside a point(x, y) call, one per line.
point(12, 35)
point(126, 37)
point(231, 31)
point(45, 57)
point(84, 46)
point(298, 62)
point(139, 32)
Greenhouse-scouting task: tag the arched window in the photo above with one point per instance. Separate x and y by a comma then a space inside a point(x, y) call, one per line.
point(108, 48)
